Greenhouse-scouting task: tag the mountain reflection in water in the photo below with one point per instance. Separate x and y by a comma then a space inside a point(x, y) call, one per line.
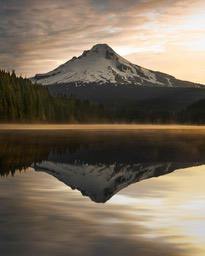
point(100, 164)
point(41, 216)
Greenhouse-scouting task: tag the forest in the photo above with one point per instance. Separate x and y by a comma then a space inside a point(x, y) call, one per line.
point(21, 101)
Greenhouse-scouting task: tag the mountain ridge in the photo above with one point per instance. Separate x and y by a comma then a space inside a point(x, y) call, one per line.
point(102, 65)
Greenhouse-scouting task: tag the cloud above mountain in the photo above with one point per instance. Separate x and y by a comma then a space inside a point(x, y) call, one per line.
point(37, 36)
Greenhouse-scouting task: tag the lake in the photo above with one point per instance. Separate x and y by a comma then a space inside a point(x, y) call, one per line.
point(104, 190)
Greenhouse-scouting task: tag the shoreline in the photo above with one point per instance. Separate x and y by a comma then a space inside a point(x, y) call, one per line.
point(108, 127)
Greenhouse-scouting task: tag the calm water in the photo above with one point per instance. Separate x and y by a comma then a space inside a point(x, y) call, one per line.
point(102, 192)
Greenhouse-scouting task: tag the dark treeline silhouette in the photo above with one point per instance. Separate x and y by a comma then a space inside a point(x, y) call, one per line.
point(195, 113)
point(22, 101)
point(154, 113)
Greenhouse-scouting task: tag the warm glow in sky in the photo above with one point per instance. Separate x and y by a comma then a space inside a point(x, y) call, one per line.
point(165, 35)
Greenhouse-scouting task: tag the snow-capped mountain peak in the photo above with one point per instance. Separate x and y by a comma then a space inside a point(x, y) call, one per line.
point(102, 65)
point(102, 49)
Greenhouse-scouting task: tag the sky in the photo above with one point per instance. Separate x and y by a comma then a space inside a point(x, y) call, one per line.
point(164, 35)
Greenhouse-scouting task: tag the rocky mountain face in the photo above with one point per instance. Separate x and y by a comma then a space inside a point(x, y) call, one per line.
point(101, 65)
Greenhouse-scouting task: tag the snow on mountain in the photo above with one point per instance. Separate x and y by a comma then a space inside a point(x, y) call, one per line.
point(100, 182)
point(102, 65)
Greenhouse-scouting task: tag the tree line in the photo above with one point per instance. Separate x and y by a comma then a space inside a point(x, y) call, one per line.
point(22, 101)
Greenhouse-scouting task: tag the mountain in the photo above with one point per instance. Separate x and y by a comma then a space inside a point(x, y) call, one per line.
point(102, 65)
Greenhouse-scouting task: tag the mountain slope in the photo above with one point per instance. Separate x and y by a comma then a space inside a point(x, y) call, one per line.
point(102, 65)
